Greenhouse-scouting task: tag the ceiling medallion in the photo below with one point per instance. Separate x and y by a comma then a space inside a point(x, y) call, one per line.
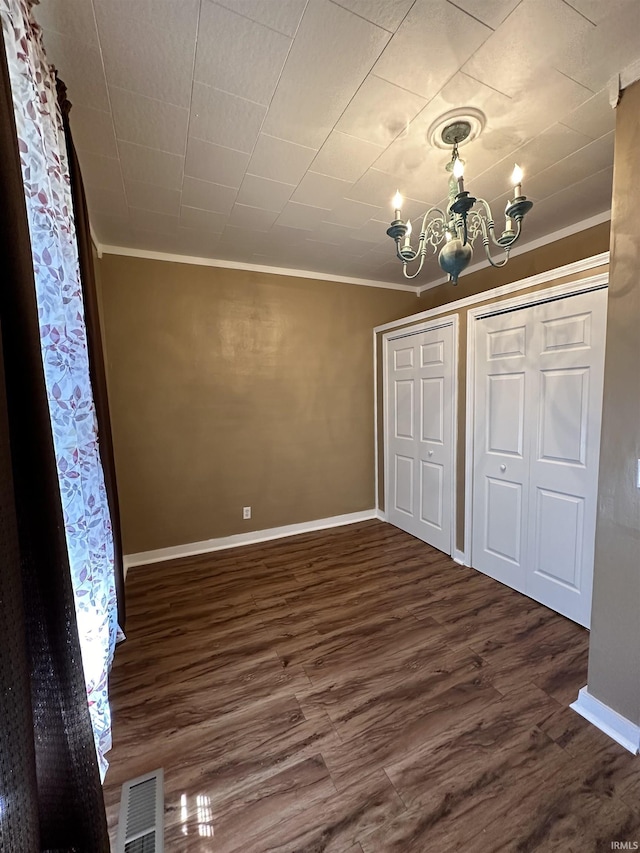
point(466, 217)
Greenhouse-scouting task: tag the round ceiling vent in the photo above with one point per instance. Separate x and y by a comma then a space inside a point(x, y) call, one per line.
point(461, 125)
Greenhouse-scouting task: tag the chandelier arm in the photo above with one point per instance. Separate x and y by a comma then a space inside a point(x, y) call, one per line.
point(485, 243)
point(431, 233)
point(417, 272)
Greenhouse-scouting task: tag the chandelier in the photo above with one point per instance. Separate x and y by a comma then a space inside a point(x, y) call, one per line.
point(464, 220)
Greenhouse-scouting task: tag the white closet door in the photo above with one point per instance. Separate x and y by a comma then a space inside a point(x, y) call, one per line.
point(419, 433)
point(501, 440)
point(538, 404)
point(568, 347)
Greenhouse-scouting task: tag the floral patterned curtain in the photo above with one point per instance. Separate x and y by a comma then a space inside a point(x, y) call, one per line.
point(64, 353)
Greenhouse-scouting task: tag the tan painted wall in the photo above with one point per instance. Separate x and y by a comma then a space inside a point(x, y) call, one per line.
point(578, 246)
point(614, 654)
point(229, 388)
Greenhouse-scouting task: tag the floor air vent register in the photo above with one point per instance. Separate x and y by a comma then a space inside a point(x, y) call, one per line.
point(140, 825)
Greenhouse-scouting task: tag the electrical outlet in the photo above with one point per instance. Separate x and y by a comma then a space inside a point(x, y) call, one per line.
point(246, 512)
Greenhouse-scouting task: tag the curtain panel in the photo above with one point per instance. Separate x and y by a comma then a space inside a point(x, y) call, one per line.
point(50, 792)
point(94, 346)
point(65, 358)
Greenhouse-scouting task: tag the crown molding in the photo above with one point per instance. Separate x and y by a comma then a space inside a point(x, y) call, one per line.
point(237, 265)
point(523, 248)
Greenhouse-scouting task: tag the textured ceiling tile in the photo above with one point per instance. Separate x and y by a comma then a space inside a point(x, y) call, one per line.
point(150, 166)
point(215, 164)
point(72, 18)
point(280, 160)
point(557, 95)
point(283, 16)
point(594, 118)
point(330, 232)
point(345, 157)
point(597, 10)
point(225, 119)
point(99, 171)
point(505, 61)
point(256, 218)
point(111, 230)
point(110, 201)
point(588, 198)
point(330, 57)
point(545, 150)
point(201, 244)
point(153, 197)
point(387, 14)
point(93, 130)
point(148, 220)
point(236, 237)
point(549, 147)
point(301, 216)
point(595, 157)
point(261, 192)
point(208, 196)
point(146, 57)
point(80, 67)
point(238, 55)
point(374, 187)
point(172, 15)
point(205, 220)
point(320, 190)
point(353, 214)
point(430, 30)
point(490, 12)
point(596, 54)
point(372, 232)
point(148, 121)
point(380, 111)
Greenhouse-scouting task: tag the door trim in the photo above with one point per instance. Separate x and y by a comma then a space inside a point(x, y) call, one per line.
point(572, 288)
point(438, 323)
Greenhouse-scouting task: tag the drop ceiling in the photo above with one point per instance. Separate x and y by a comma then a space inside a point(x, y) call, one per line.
point(275, 132)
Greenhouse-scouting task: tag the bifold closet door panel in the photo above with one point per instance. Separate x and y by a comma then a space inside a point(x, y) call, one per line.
point(569, 341)
point(538, 404)
point(419, 434)
point(501, 441)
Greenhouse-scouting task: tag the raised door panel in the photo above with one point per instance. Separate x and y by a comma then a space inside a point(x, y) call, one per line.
point(432, 407)
point(431, 494)
point(404, 466)
point(403, 409)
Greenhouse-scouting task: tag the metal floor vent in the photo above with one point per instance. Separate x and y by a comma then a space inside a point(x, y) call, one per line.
point(140, 825)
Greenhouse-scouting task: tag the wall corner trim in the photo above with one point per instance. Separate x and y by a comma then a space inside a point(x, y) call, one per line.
point(626, 733)
point(191, 549)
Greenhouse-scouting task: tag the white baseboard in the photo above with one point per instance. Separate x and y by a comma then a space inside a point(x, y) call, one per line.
point(192, 548)
point(380, 514)
point(459, 557)
point(626, 733)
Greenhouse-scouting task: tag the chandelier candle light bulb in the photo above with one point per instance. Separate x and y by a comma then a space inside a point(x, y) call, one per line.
point(516, 180)
point(407, 236)
point(458, 173)
point(397, 203)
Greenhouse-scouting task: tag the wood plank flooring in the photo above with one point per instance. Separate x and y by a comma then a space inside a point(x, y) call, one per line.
point(356, 691)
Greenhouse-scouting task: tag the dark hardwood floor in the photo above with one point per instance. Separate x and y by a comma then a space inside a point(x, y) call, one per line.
point(356, 691)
